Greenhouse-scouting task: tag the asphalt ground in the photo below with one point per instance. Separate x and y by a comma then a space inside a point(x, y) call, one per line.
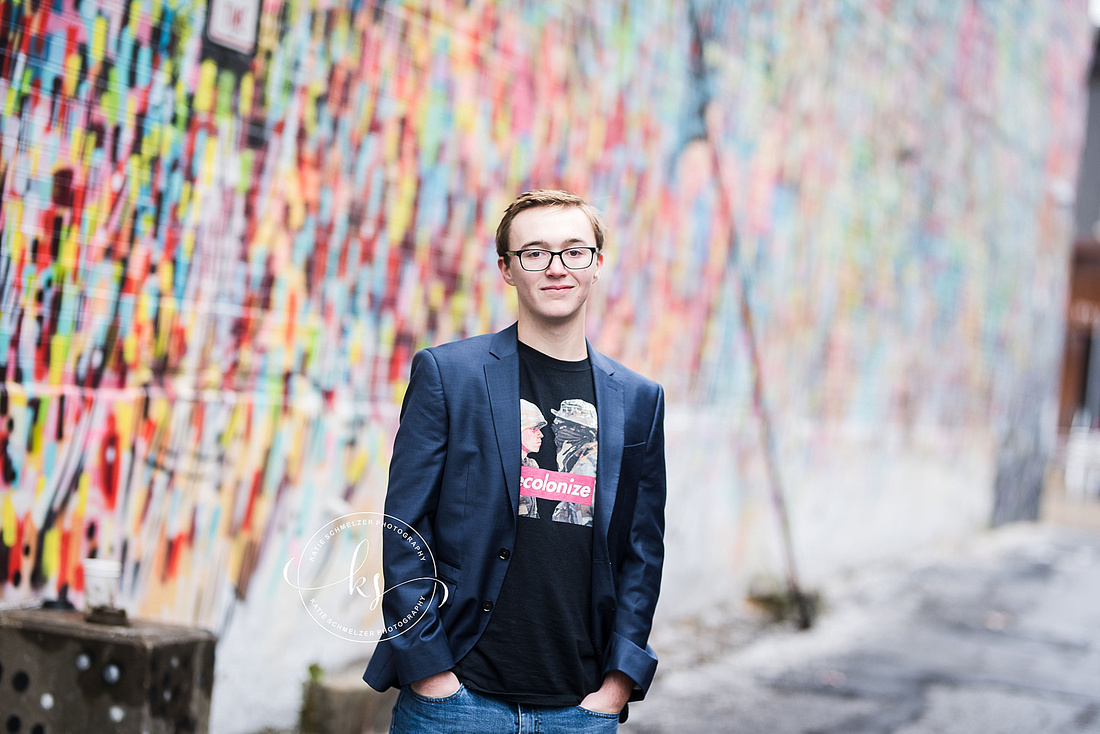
point(996, 634)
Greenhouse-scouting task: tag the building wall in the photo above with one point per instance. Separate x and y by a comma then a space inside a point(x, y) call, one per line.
point(1087, 207)
point(847, 222)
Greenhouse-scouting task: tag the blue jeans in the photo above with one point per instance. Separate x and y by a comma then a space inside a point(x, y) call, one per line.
point(469, 712)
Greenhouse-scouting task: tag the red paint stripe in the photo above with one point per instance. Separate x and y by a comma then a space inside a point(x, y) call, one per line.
point(171, 565)
point(15, 557)
point(246, 524)
point(64, 564)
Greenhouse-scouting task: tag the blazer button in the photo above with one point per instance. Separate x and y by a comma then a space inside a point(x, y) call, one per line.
point(504, 554)
point(486, 606)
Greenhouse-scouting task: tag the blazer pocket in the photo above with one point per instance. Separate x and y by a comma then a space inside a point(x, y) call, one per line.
point(631, 468)
point(446, 563)
point(447, 573)
point(633, 456)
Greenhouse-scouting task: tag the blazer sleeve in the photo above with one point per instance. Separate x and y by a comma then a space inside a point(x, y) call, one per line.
point(639, 578)
point(415, 478)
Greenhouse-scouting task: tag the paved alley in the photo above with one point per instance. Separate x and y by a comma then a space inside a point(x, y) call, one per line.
point(995, 635)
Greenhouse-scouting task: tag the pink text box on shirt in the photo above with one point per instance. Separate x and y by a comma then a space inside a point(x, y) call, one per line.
point(556, 485)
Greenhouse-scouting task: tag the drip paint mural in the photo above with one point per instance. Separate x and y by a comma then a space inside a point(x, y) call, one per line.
point(213, 273)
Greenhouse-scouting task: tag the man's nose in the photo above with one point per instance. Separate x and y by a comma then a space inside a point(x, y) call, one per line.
point(557, 264)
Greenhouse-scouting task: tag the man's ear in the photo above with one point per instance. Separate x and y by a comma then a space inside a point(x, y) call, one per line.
point(505, 271)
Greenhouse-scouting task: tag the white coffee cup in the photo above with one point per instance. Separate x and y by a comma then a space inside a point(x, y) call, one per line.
point(100, 582)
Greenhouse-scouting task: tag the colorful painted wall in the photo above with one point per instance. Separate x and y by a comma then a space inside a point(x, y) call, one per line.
point(213, 274)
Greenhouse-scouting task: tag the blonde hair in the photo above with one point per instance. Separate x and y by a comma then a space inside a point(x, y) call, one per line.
point(546, 197)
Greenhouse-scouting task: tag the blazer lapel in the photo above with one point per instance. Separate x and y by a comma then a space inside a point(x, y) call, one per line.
point(610, 428)
point(502, 381)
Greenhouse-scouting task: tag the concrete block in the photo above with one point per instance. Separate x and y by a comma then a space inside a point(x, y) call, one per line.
point(60, 674)
point(341, 703)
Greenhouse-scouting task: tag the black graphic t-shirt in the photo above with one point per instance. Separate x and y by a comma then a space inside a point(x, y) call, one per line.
point(537, 648)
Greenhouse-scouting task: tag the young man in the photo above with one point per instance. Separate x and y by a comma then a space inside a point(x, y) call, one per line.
point(550, 549)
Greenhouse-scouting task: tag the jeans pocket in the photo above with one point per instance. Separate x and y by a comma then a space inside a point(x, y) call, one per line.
point(442, 699)
point(597, 714)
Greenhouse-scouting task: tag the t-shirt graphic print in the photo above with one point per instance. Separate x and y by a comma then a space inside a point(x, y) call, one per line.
point(573, 481)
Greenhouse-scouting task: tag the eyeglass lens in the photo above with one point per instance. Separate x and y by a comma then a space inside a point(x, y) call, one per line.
point(574, 258)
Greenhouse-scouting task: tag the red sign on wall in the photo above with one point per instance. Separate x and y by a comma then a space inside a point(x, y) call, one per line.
point(234, 23)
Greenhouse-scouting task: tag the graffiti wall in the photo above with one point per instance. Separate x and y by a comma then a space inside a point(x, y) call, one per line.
point(215, 266)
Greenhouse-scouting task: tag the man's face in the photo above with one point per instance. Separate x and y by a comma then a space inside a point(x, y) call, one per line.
point(568, 430)
point(557, 294)
point(531, 439)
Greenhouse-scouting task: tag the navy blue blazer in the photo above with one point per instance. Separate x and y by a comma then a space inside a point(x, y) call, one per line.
point(454, 477)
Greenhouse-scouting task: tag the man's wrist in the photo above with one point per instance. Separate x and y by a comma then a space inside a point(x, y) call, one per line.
point(620, 684)
point(613, 693)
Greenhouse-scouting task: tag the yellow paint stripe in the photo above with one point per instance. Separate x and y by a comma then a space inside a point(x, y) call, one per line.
point(51, 552)
point(204, 95)
point(99, 38)
point(82, 493)
point(8, 519)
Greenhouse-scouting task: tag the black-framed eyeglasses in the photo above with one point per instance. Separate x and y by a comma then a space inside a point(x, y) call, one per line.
point(536, 260)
